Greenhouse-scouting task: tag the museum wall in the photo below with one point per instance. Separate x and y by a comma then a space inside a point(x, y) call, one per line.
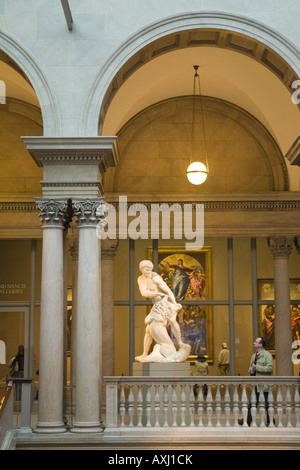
point(156, 149)
point(219, 278)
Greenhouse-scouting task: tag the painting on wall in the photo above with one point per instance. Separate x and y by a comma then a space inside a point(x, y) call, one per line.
point(267, 312)
point(188, 274)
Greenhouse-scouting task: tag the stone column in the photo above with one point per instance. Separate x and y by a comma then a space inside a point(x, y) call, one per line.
point(50, 418)
point(281, 247)
point(108, 251)
point(87, 413)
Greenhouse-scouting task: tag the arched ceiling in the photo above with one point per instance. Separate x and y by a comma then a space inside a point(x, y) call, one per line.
point(17, 85)
point(247, 75)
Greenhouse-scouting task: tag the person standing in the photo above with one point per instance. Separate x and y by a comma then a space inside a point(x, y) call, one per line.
point(18, 370)
point(223, 360)
point(201, 367)
point(261, 363)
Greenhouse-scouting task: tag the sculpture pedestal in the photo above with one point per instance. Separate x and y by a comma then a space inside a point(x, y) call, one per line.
point(157, 369)
point(163, 398)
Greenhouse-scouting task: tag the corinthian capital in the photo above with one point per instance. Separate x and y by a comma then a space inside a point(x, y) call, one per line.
point(52, 212)
point(109, 248)
point(89, 212)
point(280, 246)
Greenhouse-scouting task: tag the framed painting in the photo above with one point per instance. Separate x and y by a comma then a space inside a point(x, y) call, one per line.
point(188, 274)
point(267, 312)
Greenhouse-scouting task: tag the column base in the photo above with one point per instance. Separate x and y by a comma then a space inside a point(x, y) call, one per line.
point(87, 428)
point(50, 428)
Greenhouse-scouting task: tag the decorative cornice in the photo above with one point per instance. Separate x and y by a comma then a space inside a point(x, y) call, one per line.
point(227, 206)
point(70, 184)
point(101, 151)
point(209, 206)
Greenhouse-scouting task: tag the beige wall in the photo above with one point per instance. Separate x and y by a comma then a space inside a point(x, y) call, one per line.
point(18, 172)
point(156, 149)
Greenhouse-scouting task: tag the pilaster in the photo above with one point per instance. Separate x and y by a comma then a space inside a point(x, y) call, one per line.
point(281, 248)
point(107, 353)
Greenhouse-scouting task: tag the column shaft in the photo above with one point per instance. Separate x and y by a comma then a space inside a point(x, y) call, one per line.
point(108, 251)
point(87, 413)
point(281, 248)
point(50, 417)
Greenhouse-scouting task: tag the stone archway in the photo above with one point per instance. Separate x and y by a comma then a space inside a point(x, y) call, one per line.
point(26, 65)
point(241, 35)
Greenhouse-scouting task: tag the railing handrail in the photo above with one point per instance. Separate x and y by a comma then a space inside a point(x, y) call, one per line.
point(202, 401)
point(221, 380)
point(21, 380)
point(5, 398)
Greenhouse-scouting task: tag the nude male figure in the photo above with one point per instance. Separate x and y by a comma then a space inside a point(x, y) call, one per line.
point(163, 313)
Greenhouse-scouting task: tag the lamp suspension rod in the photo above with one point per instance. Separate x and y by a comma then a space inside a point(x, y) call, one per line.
point(197, 79)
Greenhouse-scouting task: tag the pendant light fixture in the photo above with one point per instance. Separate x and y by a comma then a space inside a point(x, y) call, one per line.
point(197, 171)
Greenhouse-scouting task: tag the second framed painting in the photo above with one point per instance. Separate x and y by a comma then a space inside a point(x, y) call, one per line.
point(188, 274)
point(266, 319)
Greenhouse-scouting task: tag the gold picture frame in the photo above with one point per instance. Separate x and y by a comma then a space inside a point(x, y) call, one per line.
point(188, 274)
point(266, 313)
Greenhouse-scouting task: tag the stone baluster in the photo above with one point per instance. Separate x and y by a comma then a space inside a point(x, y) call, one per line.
point(139, 405)
point(157, 407)
point(244, 405)
point(200, 405)
point(227, 405)
point(235, 405)
point(271, 405)
point(182, 405)
point(130, 405)
point(192, 405)
point(218, 405)
point(279, 405)
point(297, 405)
point(174, 404)
point(148, 406)
point(288, 406)
point(166, 403)
point(122, 406)
point(209, 408)
point(253, 400)
point(261, 406)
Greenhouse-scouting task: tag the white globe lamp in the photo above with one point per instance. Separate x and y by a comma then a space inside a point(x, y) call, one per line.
point(196, 173)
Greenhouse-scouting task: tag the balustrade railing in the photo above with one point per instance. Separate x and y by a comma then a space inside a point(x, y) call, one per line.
point(162, 402)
